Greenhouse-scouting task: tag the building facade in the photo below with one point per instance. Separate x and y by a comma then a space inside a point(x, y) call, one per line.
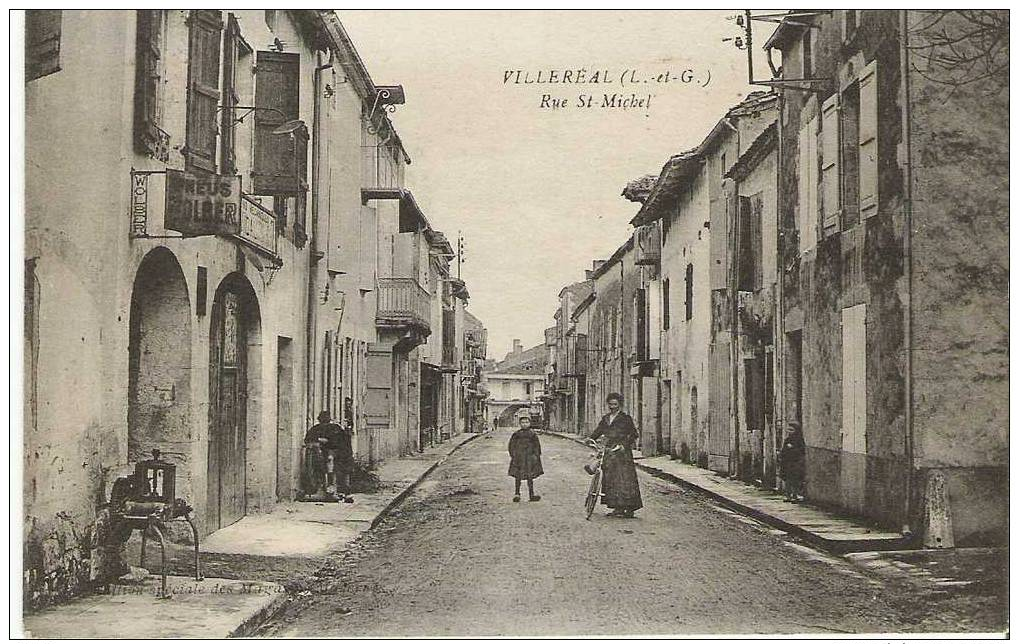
point(225, 276)
point(890, 206)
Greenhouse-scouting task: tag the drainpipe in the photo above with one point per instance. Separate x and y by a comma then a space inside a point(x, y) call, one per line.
point(734, 323)
point(315, 255)
point(778, 359)
point(907, 244)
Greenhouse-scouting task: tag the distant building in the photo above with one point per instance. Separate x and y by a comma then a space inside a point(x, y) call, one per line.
point(516, 385)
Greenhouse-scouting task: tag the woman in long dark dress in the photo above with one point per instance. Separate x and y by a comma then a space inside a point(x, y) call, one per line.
point(620, 489)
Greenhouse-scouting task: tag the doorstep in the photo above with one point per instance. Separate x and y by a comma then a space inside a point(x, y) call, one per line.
point(208, 609)
point(827, 530)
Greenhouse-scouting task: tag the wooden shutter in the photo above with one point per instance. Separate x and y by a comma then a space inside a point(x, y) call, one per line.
point(379, 386)
point(829, 145)
point(854, 379)
point(205, 29)
point(277, 93)
point(42, 42)
point(757, 238)
point(808, 186)
point(719, 236)
point(868, 141)
point(231, 49)
point(654, 319)
point(148, 48)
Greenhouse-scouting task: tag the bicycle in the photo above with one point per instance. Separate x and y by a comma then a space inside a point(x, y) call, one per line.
point(594, 489)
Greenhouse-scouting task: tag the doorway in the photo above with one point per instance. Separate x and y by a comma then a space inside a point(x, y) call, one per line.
point(159, 361)
point(233, 389)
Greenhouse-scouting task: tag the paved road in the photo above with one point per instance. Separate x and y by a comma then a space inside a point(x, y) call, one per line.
point(459, 558)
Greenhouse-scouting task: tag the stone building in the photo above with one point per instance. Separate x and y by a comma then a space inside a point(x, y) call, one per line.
point(687, 221)
point(224, 275)
point(516, 385)
point(566, 384)
point(893, 238)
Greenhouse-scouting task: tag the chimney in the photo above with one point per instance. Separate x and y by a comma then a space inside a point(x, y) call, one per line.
point(517, 347)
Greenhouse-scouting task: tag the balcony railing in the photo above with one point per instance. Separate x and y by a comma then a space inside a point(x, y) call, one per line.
point(403, 302)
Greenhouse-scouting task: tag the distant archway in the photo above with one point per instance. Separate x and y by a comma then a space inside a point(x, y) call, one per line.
point(235, 388)
point(159, 360)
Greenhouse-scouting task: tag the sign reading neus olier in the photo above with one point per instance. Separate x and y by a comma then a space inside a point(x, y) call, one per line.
point(202, 204)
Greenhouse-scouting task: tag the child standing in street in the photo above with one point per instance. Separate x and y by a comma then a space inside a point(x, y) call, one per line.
point(525, 459)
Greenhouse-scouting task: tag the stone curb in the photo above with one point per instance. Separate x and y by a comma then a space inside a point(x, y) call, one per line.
point(828, 545)
point(249, 626)
point(398, 499)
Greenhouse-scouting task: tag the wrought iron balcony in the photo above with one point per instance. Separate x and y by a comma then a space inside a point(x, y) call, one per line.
point(403, 303)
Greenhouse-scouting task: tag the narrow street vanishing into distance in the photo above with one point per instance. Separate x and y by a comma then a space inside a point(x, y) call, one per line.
point(458, 558)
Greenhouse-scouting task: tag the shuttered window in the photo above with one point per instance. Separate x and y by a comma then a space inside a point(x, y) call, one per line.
point(231, 51)
point(751, 270)
point(640, 322)
point(849, 124)
point(829, 162)
point(718, 236)
point(808, 186)
point(854, 379)
point(205, 31)
point(279, 158)
point(148, 137)
point(868, 141)
point(42, 42)
point(654, 319)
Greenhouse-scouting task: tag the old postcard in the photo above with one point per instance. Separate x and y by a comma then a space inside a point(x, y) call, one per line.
point(404, 323)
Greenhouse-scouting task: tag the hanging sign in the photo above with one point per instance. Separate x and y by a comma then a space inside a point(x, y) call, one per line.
point(258, 225)
point(202, 204)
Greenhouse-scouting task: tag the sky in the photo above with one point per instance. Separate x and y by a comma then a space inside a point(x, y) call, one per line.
point(535, 191)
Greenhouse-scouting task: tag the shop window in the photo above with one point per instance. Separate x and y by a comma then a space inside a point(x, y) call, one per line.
point(42, 42)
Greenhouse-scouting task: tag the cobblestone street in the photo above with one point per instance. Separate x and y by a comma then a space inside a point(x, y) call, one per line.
point(458, 558)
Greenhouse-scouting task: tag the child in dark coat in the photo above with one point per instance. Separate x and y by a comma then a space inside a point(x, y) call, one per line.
point(525, 459)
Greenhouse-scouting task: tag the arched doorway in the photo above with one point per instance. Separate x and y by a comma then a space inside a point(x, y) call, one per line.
point(234, 385)
point(159, 361)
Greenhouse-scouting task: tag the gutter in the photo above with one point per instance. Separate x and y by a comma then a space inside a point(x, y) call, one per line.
point(907, 249)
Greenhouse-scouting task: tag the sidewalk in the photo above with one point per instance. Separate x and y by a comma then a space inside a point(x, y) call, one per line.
point(247, 566)
point(819, 527)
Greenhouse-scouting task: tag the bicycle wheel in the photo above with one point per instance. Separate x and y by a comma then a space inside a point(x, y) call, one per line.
point(593, 494)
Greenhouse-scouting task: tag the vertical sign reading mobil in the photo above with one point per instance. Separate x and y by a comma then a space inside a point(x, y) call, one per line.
point(202, 204)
